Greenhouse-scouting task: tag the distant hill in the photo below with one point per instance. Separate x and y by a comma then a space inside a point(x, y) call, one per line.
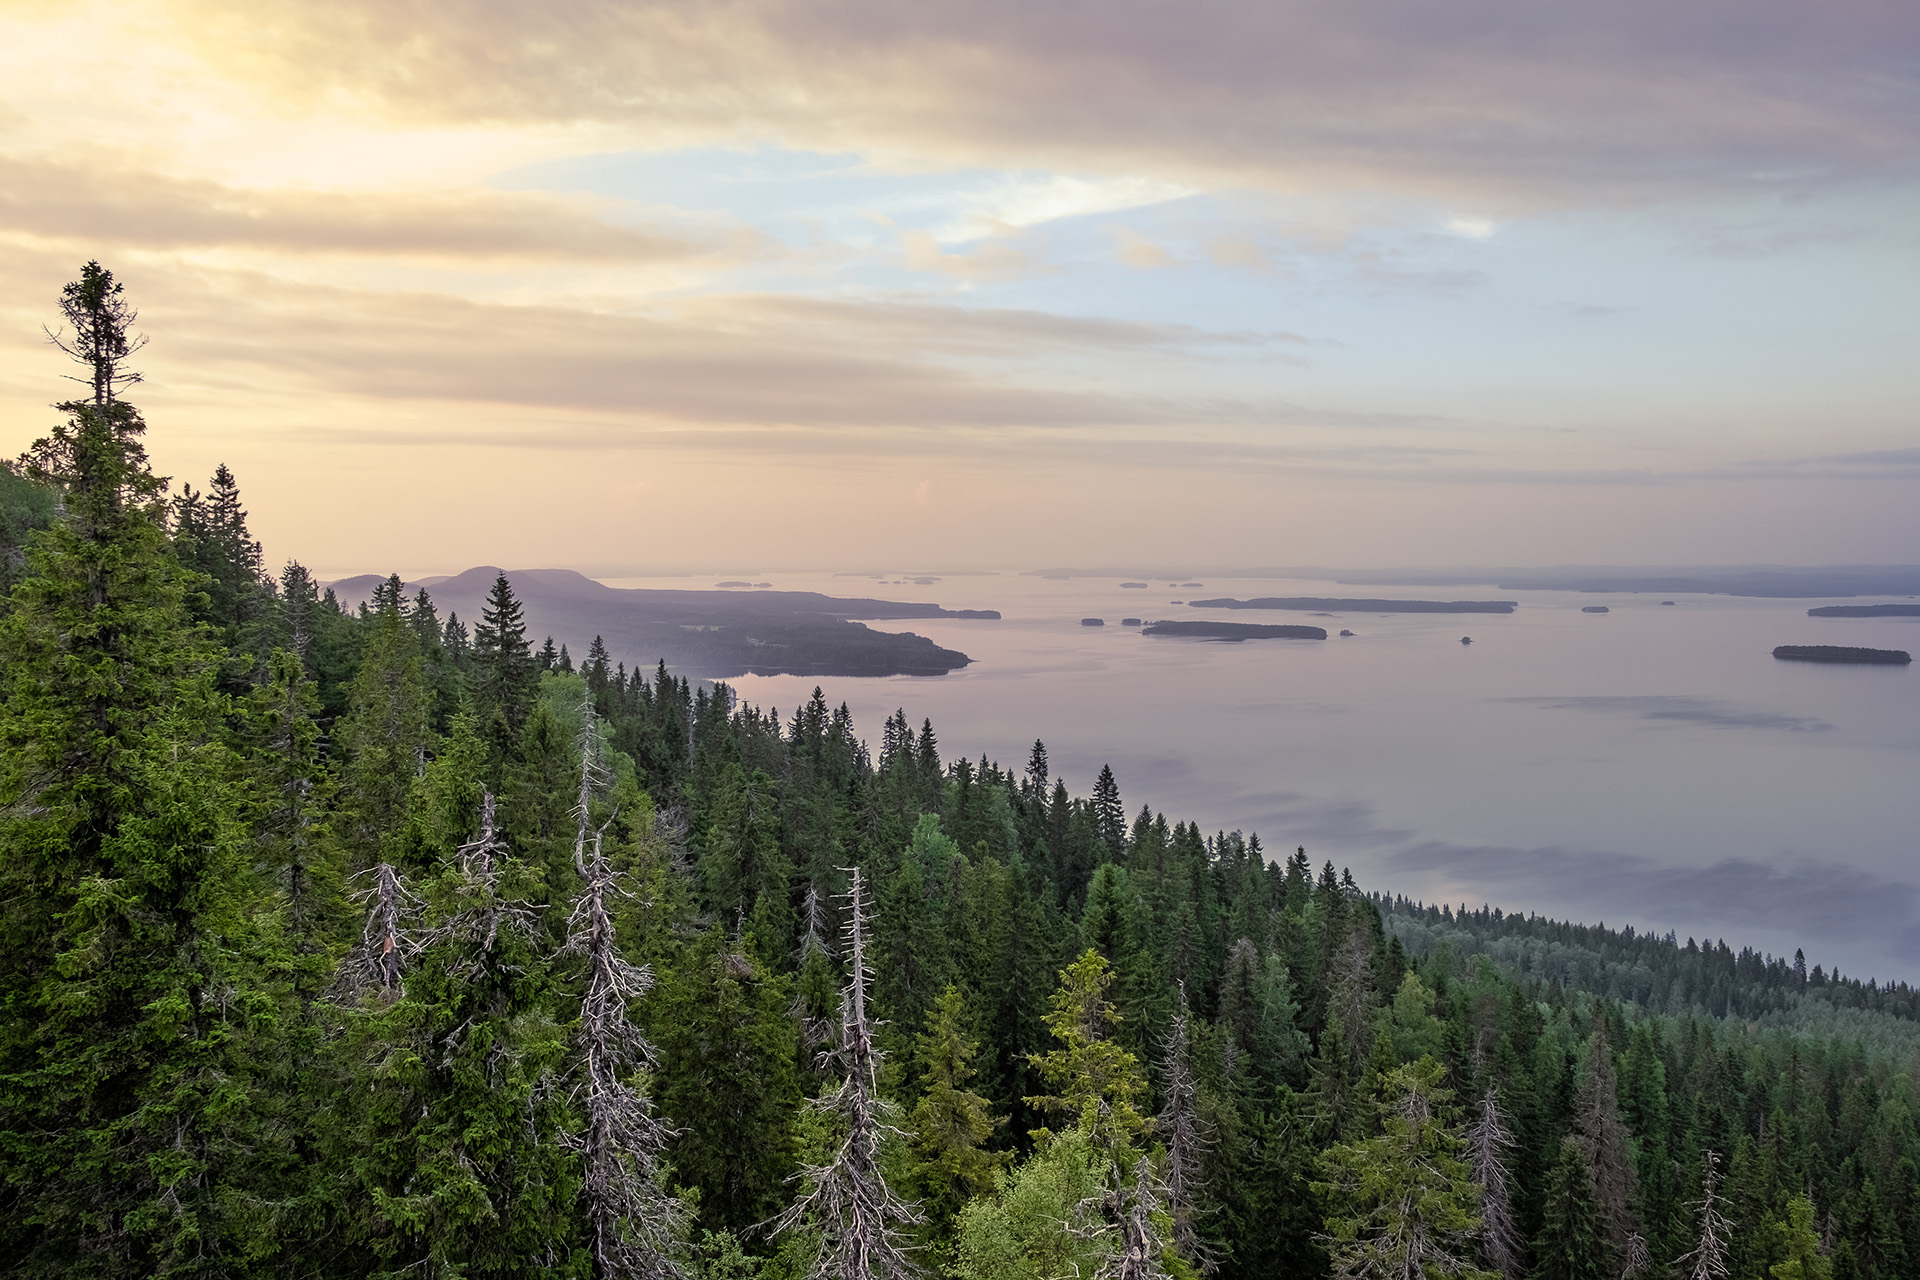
point(711, 634)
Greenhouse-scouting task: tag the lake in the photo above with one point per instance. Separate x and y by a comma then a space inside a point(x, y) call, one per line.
point(1652, 765)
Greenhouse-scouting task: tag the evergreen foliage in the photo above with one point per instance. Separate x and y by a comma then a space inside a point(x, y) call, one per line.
point(347, 943)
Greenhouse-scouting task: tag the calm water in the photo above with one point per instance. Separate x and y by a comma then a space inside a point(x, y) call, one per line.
point(1652, 765)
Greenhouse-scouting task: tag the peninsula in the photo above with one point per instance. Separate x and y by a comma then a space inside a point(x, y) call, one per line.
point(714, 634)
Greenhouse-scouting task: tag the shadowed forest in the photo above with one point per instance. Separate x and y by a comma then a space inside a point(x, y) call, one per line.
point(373, 942)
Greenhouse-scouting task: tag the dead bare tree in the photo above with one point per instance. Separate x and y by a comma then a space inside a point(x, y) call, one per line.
point(1187, 1142)
point(1708, 1260)
point(475, 929)
point(1122, 1219)
point(1488, 1144)
point(1638, 1257)
point(635, 1229)
point(1604, 1142)
point(379, 960)
point(858, 1215)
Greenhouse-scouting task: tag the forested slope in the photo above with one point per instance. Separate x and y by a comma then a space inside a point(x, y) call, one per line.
point(377, 943)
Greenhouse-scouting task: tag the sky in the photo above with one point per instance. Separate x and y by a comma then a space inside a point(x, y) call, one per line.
point(872, 283)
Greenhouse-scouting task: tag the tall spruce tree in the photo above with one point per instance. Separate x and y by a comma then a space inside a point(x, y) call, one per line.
point(1572, 1244)
point(505, 675)
point(130, 993)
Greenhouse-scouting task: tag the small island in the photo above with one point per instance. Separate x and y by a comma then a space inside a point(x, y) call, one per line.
point(1313, 604)
point(1865, 611)
point(1594, 608)
point(1093, 622)
point(1134, 586)
point(1129, 622)
point(1842, 653)
point(1235, 631)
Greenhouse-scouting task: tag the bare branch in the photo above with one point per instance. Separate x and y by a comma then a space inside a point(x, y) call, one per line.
point(858, 1215)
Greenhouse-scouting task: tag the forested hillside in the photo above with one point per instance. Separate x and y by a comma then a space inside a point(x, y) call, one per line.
point(381, 943)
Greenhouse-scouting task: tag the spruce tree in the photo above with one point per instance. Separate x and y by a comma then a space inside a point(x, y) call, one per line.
point(1402, 1204)
point(949, 1164)
point(505, 676)
point(1572, 1244)
point(130, 1005)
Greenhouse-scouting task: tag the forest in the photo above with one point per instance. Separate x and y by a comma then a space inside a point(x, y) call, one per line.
point(370, 942)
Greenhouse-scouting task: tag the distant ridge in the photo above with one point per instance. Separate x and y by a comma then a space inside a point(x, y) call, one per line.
point(716, 634)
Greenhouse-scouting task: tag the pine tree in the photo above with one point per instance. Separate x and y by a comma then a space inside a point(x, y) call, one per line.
point(727, 1081)
point(859, 1218)
point(1604, 1142)
point(1572, 1243)
point(383, 740)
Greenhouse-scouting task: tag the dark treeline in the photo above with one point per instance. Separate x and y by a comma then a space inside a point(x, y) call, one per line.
point(1657, 973)
point(374, 943)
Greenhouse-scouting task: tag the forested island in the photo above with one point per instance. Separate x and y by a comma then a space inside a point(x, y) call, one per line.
point(1314, 603)
point(1865, 611)
point(1234, 631)
point(329, 948)
point(1842, 653)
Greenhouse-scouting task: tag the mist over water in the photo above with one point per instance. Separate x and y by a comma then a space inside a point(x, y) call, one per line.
point(1653, 765)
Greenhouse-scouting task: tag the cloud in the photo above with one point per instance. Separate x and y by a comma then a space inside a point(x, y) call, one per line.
point(1136, 250)
point(1621, 101)
point(991, 259)
point(105, 200)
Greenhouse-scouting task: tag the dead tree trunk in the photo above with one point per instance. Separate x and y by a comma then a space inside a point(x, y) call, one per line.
point(635, 1229)
point(1488, 1146)
point(858, 1215)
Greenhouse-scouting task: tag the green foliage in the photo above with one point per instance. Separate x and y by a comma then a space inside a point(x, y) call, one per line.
point(727, 1081)
point(949, 1163)
point(1023, 1230)
point(1402, 1204)
point(1571, 1244)
point(211, 1064)
point(1095, 1081)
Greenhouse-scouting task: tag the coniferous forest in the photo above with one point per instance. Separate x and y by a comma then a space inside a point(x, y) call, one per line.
point(371, 942)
